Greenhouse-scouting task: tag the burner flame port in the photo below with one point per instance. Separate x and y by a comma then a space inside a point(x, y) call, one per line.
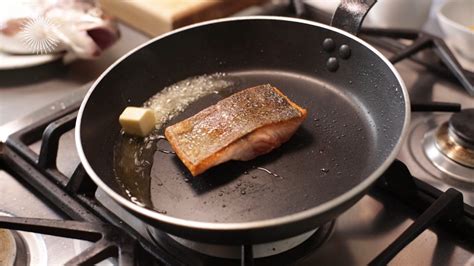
point(455, 139)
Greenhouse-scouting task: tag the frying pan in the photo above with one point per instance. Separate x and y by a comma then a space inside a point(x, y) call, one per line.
point(358, 111)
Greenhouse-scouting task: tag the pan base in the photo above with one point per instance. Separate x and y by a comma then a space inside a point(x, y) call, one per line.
point(271, 253)
point(233, 252)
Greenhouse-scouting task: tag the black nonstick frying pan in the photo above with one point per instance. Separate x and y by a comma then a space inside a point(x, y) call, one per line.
point(358, 112)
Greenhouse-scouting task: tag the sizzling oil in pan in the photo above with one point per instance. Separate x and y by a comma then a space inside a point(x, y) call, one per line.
point(333, 144)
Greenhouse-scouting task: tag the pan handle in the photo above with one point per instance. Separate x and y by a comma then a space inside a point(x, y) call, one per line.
point(350, 14)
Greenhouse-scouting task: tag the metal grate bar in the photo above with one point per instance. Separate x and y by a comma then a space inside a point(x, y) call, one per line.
point(50, 140)
point(110, 242)
point(247, 255)
point(51, 191)
point(62, 228)
point(435, 107)
point(80, 183)
point(423, 40)
point(398, 181)
point(94, 254)
point(449, 204)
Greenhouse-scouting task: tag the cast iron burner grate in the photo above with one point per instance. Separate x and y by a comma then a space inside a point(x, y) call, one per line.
point(109, 241)
point(446, 63)
point(91, 221)
point(74, 196)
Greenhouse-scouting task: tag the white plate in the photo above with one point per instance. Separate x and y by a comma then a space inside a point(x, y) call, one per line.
point(9, 61)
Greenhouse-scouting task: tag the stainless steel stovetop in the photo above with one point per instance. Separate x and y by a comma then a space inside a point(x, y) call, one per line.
point(360, 234)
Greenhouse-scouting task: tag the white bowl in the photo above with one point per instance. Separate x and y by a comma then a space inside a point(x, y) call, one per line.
point(399, 14)
point(454, 18)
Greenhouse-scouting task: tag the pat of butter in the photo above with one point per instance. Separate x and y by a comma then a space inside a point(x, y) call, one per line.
point(137, 121)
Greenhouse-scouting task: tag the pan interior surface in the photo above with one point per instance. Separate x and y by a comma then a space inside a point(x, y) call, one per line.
point(331, 149)
point(355, 118)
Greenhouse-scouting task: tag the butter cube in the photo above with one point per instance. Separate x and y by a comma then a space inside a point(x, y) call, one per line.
point(137, 121)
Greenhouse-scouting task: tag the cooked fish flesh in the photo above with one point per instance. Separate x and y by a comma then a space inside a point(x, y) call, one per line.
point(242, 126)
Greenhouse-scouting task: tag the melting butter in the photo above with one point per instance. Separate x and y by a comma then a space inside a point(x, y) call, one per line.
point(174, 99)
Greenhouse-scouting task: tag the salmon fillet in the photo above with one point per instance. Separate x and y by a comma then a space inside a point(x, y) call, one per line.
point(241, 127)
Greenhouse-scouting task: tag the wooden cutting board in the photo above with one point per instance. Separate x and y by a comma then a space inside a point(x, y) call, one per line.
point(155, 17)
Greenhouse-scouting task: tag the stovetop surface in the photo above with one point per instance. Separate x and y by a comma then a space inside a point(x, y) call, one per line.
point(360, 234)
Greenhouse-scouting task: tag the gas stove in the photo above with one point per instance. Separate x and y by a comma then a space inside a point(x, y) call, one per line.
point(420, 212)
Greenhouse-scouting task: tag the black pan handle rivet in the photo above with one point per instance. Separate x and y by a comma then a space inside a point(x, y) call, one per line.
point(329, 45)
point(344, 51)
point(332, 64)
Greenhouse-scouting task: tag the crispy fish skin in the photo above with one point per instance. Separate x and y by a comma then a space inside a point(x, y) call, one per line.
point(242, 126)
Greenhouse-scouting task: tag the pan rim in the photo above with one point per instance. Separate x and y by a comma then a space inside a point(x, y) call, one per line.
point(259, 224)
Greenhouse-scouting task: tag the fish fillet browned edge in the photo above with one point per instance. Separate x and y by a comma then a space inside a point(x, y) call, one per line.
point(208, 162)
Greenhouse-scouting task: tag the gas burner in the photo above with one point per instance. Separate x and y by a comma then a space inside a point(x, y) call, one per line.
point(425, 160)
point(446, 142)
point(456, 138)
point(290, 249)
point(8, 249)
point(441, 161)
point(450, 146)
point(21, 248)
